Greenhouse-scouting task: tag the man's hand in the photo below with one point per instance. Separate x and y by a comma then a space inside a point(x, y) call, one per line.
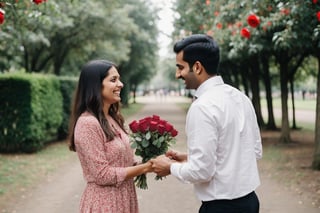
point(161, 165)
point(177, 156)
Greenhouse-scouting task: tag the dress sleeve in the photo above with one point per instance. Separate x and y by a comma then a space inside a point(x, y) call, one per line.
point(89, 140)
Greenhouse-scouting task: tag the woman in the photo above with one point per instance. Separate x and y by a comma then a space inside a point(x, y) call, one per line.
point(101, 142)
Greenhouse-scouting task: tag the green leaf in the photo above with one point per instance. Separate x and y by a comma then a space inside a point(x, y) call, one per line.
point(145, 143)
point(134, 145)
point(161, 139)
point(159, 144)
point(138, 138)
point(155, 142)
point(138, 152)
point(148, 135)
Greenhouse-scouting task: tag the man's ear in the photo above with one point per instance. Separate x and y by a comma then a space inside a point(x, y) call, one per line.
point(197, 67)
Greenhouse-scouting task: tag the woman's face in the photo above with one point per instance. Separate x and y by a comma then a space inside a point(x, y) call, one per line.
point(111, 87)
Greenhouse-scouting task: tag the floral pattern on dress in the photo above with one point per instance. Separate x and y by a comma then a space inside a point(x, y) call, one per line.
point(103, 163)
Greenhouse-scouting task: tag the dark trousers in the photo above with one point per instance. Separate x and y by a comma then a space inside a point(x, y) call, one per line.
point(246, 204)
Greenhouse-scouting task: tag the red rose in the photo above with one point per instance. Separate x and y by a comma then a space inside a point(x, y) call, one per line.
point(134, 126)
point(314, 1)
point(143, 125)
point(156, 117)
point(168, 127)
point(318, 15)
point(161, 129)
point(2, 16)
point(163, 122)
point(153, 126)
point(253, 20)
point(174, 132)
point(245, 33)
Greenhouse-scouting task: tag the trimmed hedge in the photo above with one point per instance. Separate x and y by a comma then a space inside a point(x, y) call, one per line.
point(67, 87)
point(30, 111)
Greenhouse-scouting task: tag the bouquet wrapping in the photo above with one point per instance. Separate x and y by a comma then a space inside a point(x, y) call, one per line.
point(150, 137)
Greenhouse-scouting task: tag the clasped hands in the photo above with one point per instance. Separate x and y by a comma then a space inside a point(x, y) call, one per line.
point(161, 164)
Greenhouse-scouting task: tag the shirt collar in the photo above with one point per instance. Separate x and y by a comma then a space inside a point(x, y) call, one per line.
point(211, 82)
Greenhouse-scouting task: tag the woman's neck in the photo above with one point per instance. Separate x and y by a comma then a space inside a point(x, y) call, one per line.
point(106, 110)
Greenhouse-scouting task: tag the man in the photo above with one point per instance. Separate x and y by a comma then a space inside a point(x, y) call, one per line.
point(223, 136)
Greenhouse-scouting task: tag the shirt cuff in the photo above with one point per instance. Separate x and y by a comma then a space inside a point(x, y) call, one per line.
point(175, 170)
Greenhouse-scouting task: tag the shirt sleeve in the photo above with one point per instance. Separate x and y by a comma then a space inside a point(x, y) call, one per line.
point(89, 139)
point(256, 132)
point(258, 144)
point(202, 133)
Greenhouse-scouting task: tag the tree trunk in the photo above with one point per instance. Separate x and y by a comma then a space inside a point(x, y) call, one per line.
point(244, 70)
point(285, 129)
point(294, 126)
point(271, 125)
point(300, 58)
point(26, 59)
point(254, 79)
point(316, 157)
point(134, 93)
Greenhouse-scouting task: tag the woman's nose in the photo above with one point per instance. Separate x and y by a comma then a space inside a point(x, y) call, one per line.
point(120, 84)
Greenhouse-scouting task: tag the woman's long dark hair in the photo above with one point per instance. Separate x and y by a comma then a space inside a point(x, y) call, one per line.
point(88, 98)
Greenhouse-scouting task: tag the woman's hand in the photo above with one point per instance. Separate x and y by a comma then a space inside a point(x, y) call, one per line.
point(161, 165)
point(148, 167)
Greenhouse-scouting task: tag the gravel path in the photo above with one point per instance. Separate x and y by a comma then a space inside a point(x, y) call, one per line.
point(61, 192)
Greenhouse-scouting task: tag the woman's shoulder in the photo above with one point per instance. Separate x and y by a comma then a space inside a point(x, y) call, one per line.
point(88, 119)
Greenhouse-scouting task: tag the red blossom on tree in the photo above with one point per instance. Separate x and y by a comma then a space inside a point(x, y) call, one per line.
point(285, 11)
point(207, 2)
point(245, 33)
point(210, 33)
point(37, 1)
point(318, 15)
point(314, 1)
point(253, 20)
point(2, 16)
point(239, 24)
point(219, 25)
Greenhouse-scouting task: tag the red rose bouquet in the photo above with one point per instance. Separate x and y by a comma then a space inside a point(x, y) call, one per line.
point(151, 137)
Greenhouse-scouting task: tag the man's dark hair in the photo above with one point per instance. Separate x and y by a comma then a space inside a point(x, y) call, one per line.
point(202, 48)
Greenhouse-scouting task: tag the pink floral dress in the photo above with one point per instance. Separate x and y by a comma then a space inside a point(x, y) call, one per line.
point(103, 164)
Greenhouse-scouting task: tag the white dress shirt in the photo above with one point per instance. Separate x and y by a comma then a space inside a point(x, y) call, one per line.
point(224, 143)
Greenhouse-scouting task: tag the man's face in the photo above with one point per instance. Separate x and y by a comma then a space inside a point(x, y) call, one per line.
point(184, 72)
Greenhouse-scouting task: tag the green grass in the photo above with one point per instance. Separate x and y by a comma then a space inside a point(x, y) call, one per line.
point(132, 109)
point(273, 154)
point(308, 104)
point(21, 171)
point(300, 105)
